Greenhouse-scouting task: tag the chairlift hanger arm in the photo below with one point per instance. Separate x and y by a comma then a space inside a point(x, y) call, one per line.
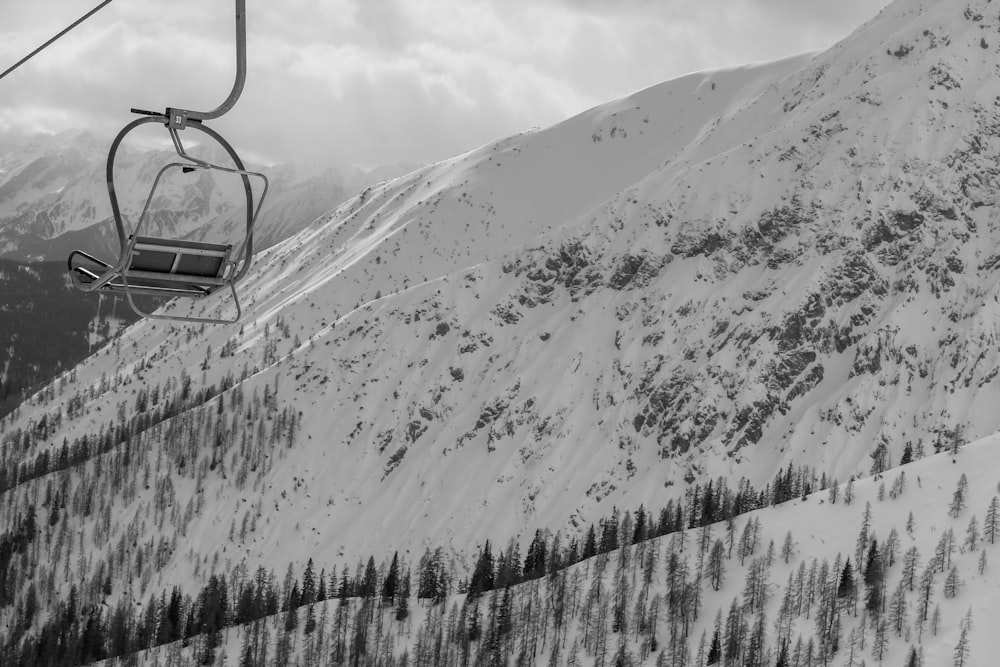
point(177, 118)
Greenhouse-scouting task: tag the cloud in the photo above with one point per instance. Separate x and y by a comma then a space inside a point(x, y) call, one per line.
point(376, 81)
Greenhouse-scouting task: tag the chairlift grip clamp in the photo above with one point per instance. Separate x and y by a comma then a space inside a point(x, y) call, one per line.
point(177, 119)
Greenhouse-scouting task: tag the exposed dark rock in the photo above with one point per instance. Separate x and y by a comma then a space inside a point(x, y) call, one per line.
point(415, 429)
point(807, 383)
point(698, 243)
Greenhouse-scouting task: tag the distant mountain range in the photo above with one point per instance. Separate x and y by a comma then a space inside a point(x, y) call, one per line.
point(54, 198)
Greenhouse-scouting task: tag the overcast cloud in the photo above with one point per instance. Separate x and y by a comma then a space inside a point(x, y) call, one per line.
point(373, 82)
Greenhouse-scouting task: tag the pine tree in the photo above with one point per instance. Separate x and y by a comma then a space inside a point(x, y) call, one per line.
point(483, 574)
point(952, 583)
point(309, 584)
point(589, 544)
point(991, 524)
point(852, 649)
point(972, 535)
point(864, 535)
point(787, 547)
point(873, 576)
point(428, 577)
point(783, 656)
point(907, 456)
point(898, 609)
point(716, 566)
point(845, 586)
point(880, 641)
point(391, 582)
point(403, 596)
point(958, 500)
point(910, 561)
point(890, 549)
point(926, 590)
point(962, 649)
point(369, 584)
point(715, 649)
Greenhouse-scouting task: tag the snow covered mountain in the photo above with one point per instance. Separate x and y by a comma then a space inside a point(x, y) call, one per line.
point(53, 195)
point(735, 273)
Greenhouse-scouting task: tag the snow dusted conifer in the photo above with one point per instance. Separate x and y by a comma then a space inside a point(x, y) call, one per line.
point(873, 576)
point(403, 596)
point(748, 541)
point(845, 587)
point(880, 641)
point(716, 566)
point(910, 561)
point(991, 524)
point(890, 549)
point(863, 535)
point(715, 648)
point(787, 547)
point(972, 535)
point(898, 609)
point(952, 583)
point(962, 652)
point(898, 485)
point(958, 500)
point(391, 581)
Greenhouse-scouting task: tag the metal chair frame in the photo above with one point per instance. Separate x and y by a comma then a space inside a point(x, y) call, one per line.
point(214, 267)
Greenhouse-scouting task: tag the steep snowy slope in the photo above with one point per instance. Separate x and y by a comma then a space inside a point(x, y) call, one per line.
point(779, 587)
point(727, 274)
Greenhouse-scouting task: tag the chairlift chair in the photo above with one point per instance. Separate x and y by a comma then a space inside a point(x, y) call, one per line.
point(172, 267)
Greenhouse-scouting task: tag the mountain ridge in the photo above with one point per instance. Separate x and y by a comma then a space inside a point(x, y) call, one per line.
point(787, 282)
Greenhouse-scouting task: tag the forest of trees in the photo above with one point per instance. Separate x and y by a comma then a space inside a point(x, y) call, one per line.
point(630, 586)
point(634, 587)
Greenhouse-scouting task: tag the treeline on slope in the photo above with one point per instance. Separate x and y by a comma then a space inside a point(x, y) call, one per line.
point(46, 326)
point(153, 406)
point(620, 615)
point(76, 633)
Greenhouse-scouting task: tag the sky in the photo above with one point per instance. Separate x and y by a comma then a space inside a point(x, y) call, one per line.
point(375, 82)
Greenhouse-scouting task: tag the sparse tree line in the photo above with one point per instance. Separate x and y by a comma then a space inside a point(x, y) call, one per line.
point(152, 406)
point(88, 481)
point(436, 580)
point(611, 597)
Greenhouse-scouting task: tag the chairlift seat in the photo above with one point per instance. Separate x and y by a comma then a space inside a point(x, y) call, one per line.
point(164, 267)
point(179, 260)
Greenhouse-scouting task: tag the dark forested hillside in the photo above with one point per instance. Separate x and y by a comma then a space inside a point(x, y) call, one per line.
point(47, 326)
